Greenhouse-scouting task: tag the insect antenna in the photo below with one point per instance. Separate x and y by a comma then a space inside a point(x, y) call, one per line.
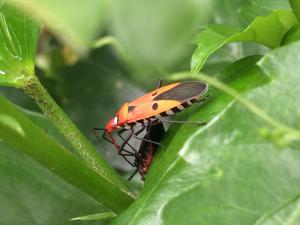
point(103, 135)
point(132, 175)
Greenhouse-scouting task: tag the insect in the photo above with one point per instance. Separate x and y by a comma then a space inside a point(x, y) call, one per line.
point(150, 109)
point(144, 156)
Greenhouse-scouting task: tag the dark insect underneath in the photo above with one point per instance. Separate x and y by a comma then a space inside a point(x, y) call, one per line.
point(148, 147)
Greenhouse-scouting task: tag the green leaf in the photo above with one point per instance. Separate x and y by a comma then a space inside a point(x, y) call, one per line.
point(99, 216)
point(295, 4)
point(156, 34)
point(30, 194)
point(18, 36)
point(292, 35)
point(262, 8)
point(227, 172)
point(36, 144)
point(267, 30)
point(68, 20)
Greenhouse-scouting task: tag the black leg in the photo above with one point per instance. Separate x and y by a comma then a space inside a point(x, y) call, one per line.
point(134, 173)
point(126, 140)
point(103, 136)
point(159, 83)
point(147, 140)
point(130, 136)
point(140, 131)
point(124, 157)
point(120, 132)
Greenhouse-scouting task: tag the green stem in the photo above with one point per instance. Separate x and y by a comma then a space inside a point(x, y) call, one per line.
point(292, 133)
point(20, 133)
point(81, 145)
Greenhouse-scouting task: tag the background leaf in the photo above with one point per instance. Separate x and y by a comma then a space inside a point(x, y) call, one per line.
point(30, 194)
point(262, 8)
point(295, 4)
point(156, 34)
point(67, 19)
point(18, 37)
point(292, 35)
point(268, 30)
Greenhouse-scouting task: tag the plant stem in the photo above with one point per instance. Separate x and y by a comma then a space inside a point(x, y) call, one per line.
point(20, 133)
point(81, 145)
point(294, 134)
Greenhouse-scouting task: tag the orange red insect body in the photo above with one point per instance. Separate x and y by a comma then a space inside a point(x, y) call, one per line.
point(164, 101)
point(147, 111)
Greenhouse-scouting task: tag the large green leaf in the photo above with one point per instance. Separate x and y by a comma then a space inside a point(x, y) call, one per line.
point(32, 195)
point(18, 37)
point(295, 4)
point(227, 172)
point(20, 133)
point(267, 30)
point(75, 23)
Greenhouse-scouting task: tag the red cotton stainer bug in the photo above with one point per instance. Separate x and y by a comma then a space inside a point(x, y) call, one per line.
point(150, 109)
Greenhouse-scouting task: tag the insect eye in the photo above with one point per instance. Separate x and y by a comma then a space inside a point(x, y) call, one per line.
point(116, 120)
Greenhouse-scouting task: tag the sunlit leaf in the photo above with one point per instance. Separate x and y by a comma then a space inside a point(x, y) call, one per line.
point(262, 8)
point(99, 216)
point(18, 36)
point(75, 23)
point(30, 194)
point(268, 30)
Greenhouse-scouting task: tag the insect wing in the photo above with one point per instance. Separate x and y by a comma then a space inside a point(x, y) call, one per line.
point(151, 95)
point(183, 91)
point(150, 109)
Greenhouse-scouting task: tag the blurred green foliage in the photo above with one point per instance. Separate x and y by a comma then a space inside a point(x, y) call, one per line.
point(236, 170)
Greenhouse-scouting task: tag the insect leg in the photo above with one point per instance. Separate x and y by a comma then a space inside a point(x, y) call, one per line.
point(126, 140)
point(140, 131)
point(147, 140)
point(124, 157)
point(159, 83)
point(132, 134)
point(120, 132)
point(103, 136)
point(134, 173)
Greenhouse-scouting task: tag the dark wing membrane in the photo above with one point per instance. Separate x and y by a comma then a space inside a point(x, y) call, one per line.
point(183, 91)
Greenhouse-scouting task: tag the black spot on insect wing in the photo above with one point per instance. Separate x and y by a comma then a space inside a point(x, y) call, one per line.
point(155, 106)
point(130, 108)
